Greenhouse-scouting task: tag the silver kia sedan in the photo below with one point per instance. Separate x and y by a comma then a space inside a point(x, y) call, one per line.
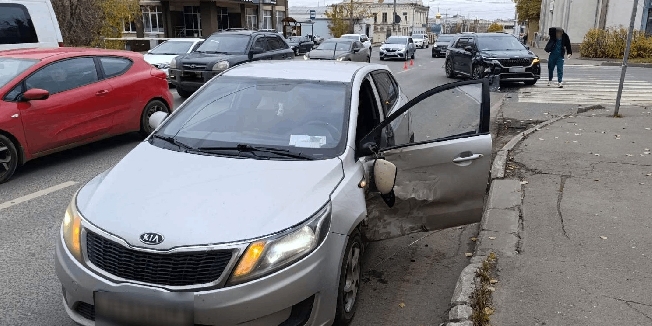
point(251, 203)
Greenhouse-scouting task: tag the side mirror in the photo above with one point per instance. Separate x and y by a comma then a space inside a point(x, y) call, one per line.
point(157, 118)
point(254, 51)
point(385, 179)
point(35, 94)
point(468, 48)
point(527, 47)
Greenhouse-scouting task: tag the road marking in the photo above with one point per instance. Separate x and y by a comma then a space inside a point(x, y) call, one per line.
point(37, 194)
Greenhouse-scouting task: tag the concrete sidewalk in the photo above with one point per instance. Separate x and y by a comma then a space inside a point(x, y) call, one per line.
point(584, 253)
point(576, 60)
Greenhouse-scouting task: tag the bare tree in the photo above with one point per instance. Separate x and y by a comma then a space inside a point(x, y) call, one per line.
point(80, 21)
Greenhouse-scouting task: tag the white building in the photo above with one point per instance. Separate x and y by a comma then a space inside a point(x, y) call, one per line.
point(576, 17)
point(318, 26)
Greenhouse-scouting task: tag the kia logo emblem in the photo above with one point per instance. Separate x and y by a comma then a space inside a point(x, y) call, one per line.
point(193, 66)
point(151, 238)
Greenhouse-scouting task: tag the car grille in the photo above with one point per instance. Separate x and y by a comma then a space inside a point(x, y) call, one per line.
point(390, 50)
point(169, 269)
point(516, 62)
point(193, 66)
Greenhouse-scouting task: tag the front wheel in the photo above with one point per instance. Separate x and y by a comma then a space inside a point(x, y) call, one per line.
point(449, 69)
point(381, 58)
point(151, 108)
point(477, 71)
point(8, 158)
point(369, 58)
point(350, 272)
point(296, 52)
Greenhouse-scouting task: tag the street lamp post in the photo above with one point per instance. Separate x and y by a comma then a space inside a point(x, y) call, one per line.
point(630, 33)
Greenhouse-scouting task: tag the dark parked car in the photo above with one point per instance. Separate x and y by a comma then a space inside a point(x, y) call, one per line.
point(300, 44)
point(222, 50)
point(440, 46)
point(473, 54)
point(341, 50)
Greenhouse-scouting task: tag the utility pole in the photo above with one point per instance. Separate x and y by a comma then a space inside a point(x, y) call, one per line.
point(394, 19)
point(351, 18)
point(627, 48)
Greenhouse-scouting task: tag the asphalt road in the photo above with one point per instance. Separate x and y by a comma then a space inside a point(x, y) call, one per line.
point(407, 281)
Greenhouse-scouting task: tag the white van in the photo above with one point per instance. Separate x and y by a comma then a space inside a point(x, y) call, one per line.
point(28, 24)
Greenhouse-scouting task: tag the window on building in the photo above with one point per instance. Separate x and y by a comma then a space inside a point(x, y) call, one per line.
point(267, 19)
point(222, 18)
point(385, 18)
point(280, 15)
point(192, 21)
point(251, 18)
point(130, 27)
point(152, 19)
point(375, 18)
point(405, 20)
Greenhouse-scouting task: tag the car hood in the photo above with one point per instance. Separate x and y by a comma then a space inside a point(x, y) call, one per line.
point(155, 59)
point(442, 44)
point(208, 58)
point(195, 199)
point(326, 54)
point(392, 46)
point(508, 54)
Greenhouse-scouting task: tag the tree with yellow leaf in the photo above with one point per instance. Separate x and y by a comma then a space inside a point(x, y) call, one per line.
point(495, 27)
point(344, 15)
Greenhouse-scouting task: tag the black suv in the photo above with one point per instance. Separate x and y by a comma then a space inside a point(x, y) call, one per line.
point(222, 50)
point(472, 55)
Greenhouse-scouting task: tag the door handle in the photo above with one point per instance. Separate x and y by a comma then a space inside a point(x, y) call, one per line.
point(467, 158)
point(102, 92)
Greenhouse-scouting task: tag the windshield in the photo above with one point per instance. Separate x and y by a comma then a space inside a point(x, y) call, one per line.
point(499, 43)
point(269, 112)
point(445, 39)
point(351, 37)
point(225, 43)
point(337, 46)
point(396, 40)
point(172, 48)
point(12, 67)
point(419, 36)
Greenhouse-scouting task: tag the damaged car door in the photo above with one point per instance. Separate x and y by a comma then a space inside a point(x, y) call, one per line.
point(441, 173)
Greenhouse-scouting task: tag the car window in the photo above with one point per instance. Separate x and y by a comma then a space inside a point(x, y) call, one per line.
point(410, 40)
point(261, 43)
point(275, 43)
point(225, 43)
point(387, 89)
point(172, 48)
point(16, 25)
point(196, 46)
point(357, 45)
point(9, 69)
point(64, 75)
point(114, 66)
point(463, 42)
point(499, 43)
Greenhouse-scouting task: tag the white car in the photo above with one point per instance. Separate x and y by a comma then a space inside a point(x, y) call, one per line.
point(420, 40)
point(364, 39)
point(37, 25)
point(161, 55)
point(278, 177)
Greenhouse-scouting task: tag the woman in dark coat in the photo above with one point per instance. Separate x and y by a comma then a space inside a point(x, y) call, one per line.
point(558, 45)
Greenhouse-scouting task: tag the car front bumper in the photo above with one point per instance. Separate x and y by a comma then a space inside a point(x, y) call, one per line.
point(439, 50)
point(304, 293)
point(525, 74)
point(393, 54)
point(190, 80)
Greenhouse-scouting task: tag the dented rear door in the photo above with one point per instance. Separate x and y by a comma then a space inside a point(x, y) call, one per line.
point(443, 173)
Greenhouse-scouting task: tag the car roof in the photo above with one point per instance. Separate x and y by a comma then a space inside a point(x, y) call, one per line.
point(244, 32)
point(494, 34)
point(62, 52)
point(181, 39)
point(338, 39)
point(317, 70)
point(398, 36)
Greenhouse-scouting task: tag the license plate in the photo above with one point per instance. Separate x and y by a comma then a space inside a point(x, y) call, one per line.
point(198, 74)
point(517, 69)
point(126, 309)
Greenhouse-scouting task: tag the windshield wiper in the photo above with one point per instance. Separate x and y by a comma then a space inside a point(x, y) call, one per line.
point(253, 149)
point(173, 141)
point(216, 52)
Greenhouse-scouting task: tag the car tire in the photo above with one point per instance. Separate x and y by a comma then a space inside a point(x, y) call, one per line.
point(381, 58)
point(296, 52)
point(151, 107)
point(433, 55)
point(413, 55)
point(530, 82)
point(448, 67)
point(8, 158)
point(350, 275)
point(183, 93)
point(477, 71)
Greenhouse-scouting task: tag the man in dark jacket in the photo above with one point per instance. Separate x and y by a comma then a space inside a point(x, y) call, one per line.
point(558, 45)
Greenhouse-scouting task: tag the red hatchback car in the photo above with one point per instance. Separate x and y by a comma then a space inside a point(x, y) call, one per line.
point(55, 99)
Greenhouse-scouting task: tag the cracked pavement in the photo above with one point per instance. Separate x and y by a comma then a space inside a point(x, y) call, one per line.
point(585, 240)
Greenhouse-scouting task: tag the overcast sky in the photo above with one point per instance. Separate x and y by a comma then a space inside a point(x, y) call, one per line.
point(482, 9)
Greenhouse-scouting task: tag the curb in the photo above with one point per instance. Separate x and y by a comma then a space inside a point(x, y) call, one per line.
point(600, 63)
point(499, 229)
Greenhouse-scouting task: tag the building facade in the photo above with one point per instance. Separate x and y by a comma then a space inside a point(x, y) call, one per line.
point(317, 26)
point(576, 17)
point(413, 14)
point(201, 18)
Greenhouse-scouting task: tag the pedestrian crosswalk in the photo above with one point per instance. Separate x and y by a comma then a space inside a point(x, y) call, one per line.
point(590, 86)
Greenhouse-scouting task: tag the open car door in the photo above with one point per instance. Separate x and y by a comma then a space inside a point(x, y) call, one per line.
point(442, 169)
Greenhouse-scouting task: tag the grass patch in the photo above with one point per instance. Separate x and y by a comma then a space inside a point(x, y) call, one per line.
point(481, 299)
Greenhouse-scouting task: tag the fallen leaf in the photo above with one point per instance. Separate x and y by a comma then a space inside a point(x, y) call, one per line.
point(474, 239)
point(524, 182)
point(541, 139)
point(493, 281)
point(603, 237)
point(646, 153)
point(629, 155)
point(491, 288)
point(641, 183)
point(647, 149)
point(579, 129)
point(488, 311)
point(468, 254)
point(402, 305)
point(648, 129)
point(492, 238)
point(649, 174)
point(574, 141)
point(576, 134)
point(596, 154)
point(545, 113)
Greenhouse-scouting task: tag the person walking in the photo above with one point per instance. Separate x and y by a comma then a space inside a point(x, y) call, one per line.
point(558, 46)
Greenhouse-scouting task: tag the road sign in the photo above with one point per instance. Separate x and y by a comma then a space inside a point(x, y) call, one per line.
point(397, 19)
point(313, 14)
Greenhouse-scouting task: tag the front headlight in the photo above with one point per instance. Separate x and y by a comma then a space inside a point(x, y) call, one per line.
point(163, 66)
point(173, 63)
point(269, 255)
point(535, 61)
point(340, 59)
point(401, 50)
point(71, 228)
point(222, 65)
point(306, 56)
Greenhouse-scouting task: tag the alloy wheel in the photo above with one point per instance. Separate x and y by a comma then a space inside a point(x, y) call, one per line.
point(352, 279)
point(449, 69)
point(477, 72)
point(6, 158)
point(151, 108)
